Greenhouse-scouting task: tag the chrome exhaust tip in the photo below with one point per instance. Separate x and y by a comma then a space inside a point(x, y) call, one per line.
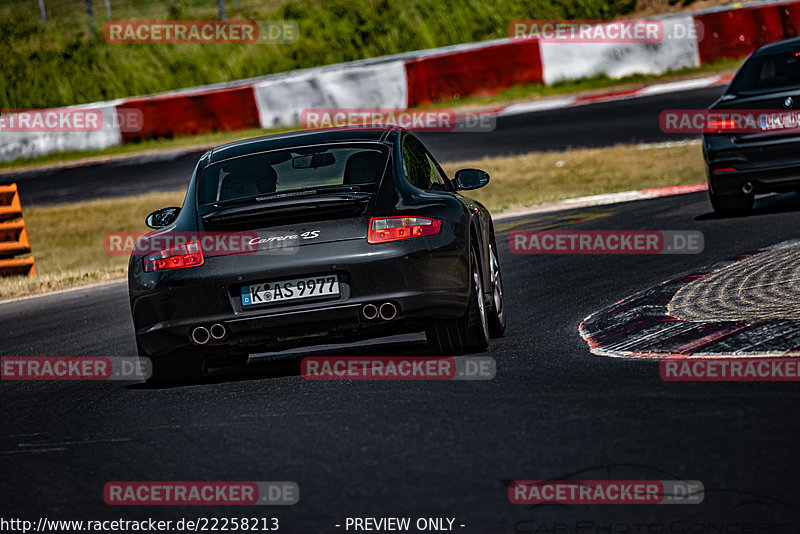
point(747, 188)
point(388, 311)
point(370, 311)
point(218, 332)
point(200, 335)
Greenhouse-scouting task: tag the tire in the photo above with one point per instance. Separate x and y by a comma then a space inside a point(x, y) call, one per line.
point(736, 204)
point(468, 333)
point(179, 366)
point(497, 312)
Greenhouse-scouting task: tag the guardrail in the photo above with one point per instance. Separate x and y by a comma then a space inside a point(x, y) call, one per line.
point(13, 235)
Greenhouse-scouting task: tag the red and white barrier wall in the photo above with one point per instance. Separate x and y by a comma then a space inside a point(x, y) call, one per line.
point(572, 61)
point(419, 78)
point(192, 112)
point(21, 144)
point(478, 70)
point(281, 100)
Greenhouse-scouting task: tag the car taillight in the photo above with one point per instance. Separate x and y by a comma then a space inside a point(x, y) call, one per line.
point(386, 229)
point(178, 257)
point(721, 124)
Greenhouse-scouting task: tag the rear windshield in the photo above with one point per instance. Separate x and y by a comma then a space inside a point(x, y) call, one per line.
point(292, 170)
point(767, 73)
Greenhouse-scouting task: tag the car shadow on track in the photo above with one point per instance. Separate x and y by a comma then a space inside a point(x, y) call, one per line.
point(287, 364)
point(764, 205)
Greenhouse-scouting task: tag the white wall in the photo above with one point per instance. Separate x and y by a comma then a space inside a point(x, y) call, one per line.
point(15, 145)
point(571, 61)
point(281, 101)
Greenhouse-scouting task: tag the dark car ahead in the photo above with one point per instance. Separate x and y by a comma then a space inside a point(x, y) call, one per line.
point(353, 233)
point(762, 156)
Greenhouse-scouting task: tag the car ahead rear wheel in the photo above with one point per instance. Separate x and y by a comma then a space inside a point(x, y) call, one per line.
point(497, 313)
point(468, 333)
point(736, 204)
point(179, 366)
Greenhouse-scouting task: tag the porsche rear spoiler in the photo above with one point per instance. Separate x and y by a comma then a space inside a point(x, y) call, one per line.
point(289, 210)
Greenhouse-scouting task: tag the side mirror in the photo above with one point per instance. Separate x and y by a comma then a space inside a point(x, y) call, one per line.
point(161, 218)
point(470, 179)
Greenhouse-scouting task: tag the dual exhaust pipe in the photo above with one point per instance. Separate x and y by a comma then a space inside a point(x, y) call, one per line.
point(387, 311)
point(201, 335)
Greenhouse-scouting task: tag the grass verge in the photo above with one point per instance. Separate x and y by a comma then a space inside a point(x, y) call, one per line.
point(67, 240)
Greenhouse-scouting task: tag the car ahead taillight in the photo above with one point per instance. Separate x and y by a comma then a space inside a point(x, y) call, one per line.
point(727, 125)
point(178, 257)
point(385, 229)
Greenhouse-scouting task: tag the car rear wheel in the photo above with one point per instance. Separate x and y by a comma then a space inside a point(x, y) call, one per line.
point(736, 204)
point(179, 366)
point(497, 313)
point(468, 333)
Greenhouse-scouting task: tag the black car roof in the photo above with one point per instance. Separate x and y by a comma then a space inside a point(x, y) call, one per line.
point(292, 139)
point(776, 48)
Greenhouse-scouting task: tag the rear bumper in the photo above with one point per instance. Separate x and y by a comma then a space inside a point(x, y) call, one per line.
point(303, 326)
point(424, 278)
point(769, 166)
point(762, 178)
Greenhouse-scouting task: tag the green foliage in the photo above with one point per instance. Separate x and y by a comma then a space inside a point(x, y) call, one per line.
point(59, 64)
point(177, 10)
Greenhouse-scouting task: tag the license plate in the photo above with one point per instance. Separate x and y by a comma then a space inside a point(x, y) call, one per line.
point(299, 288)
point(779, 121)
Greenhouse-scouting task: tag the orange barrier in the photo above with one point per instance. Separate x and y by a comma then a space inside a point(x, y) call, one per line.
point(10, 207)
point(13, 235)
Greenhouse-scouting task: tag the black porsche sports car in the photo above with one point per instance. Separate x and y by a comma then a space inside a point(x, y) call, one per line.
point(756, 151)
point(353, 233)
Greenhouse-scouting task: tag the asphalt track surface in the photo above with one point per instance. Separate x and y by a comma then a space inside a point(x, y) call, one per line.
point(424, 449)
point(600, 124)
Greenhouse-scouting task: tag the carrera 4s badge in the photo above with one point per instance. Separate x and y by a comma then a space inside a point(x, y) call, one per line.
point(312, 234)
